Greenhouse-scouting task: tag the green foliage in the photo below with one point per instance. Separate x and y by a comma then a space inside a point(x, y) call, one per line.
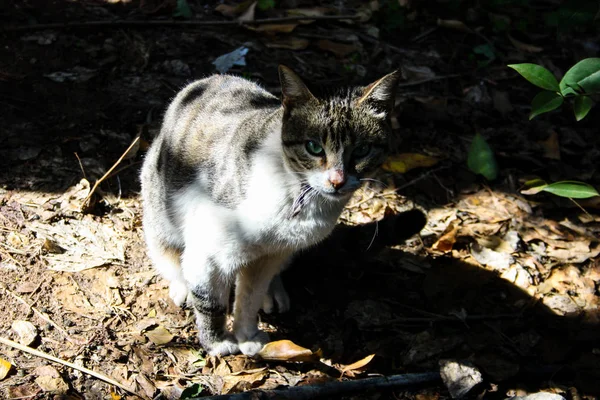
point(481, 158)
point(192, 392)
point(487, 51)
point(537, 75)
point(572, 14)
point(391, 16)
point(583, 77)
point(580, 81)
point(545, 102)
point(570, 189)
point(182, 10)
point(582, 106)
point(266, 4)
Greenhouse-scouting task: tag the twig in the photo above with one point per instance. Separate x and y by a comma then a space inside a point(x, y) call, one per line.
point(172, 23)
point(89, 196)
point(439, 318)
point(41, 354)
point(422, 81)
point(334, 388)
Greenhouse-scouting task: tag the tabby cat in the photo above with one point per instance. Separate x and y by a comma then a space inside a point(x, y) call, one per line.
point(238, 181)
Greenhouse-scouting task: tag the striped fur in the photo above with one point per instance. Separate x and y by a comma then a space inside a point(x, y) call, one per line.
point(230, 190)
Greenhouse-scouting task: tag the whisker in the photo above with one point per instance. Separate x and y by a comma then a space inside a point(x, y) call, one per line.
point(374, 235)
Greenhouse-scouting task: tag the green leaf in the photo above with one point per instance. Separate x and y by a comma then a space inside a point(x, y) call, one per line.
point(591, 84)
point(544, 102)
point(486, 50)
point(192, 392)
point(582, 107)
point(571, 189)
point(266, 4)
point(481, 158)
point(537, 75)
point(571, 83)
point(534, 186)
point(182, 10)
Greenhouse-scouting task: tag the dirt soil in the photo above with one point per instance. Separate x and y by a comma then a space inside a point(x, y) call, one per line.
point(505, 282)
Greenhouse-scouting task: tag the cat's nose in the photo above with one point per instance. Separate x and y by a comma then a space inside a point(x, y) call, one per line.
point(337, 178)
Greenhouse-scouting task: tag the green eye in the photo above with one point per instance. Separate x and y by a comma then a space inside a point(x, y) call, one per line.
point(362, 150)
point(314, 148)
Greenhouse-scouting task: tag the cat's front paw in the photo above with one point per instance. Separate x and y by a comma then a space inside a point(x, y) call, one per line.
point(223, 347)
point(253, 345)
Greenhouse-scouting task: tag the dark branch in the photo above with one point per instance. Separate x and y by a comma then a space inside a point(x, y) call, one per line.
point(334, 388)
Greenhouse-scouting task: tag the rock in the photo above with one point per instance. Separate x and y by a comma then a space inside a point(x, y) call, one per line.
point(459, 377)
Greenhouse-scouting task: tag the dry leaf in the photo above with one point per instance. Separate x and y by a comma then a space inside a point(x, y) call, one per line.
point(87, 243)
point(309, 12)
point(248, 15)
point(551, 146)
point(273, 28)
point(159, 335)
point(234, 11)
point(351, 369)
point(528, 48)
point(288, 42)
point(49, 380)
point(5, 367)
point(339, 49)
point(243, 380)
point(490, 258)
point(286, 350)
point(447, 240)
point(454, 24)
point(26, 331)
point(404, 162)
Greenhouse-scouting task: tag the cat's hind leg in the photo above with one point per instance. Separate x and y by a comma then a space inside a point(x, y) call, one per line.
point(276, 296)
point(167, 261)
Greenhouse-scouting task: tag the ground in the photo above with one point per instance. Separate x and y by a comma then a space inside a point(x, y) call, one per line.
point(504, 281)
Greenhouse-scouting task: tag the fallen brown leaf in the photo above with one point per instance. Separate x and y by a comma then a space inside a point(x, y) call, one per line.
point(159, 335)
point(551, 146)
point(5, 367)
point(339, 49)
point(404, 162)
point(454, 24)
point(448, 238)
point(528, 48)
point(288, 42)
point(235, 10)
point(352, 369)
point(286, 350)
point(49, 380)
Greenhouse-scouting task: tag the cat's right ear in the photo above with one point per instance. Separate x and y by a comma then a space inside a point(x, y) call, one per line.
point(293, 91)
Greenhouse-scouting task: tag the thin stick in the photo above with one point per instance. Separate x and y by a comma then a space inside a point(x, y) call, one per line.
point(109, 171)
point(80, 165)
point(179, 24)
point(334, 388)
point(41, 354)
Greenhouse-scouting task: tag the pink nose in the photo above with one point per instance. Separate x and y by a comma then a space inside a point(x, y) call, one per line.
point(337, 178)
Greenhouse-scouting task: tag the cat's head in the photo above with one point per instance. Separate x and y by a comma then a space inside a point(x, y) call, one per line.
point(333, 141)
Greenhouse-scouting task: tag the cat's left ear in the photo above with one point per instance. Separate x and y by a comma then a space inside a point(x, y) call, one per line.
point(382, 93)
point(293, 90)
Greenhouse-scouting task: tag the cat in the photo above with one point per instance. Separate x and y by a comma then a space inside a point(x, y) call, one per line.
point(238, 180)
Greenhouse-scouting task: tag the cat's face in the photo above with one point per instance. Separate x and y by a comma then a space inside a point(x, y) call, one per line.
point(334, 142)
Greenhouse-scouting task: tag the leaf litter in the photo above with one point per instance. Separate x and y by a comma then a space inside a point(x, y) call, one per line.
point(465, 286)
